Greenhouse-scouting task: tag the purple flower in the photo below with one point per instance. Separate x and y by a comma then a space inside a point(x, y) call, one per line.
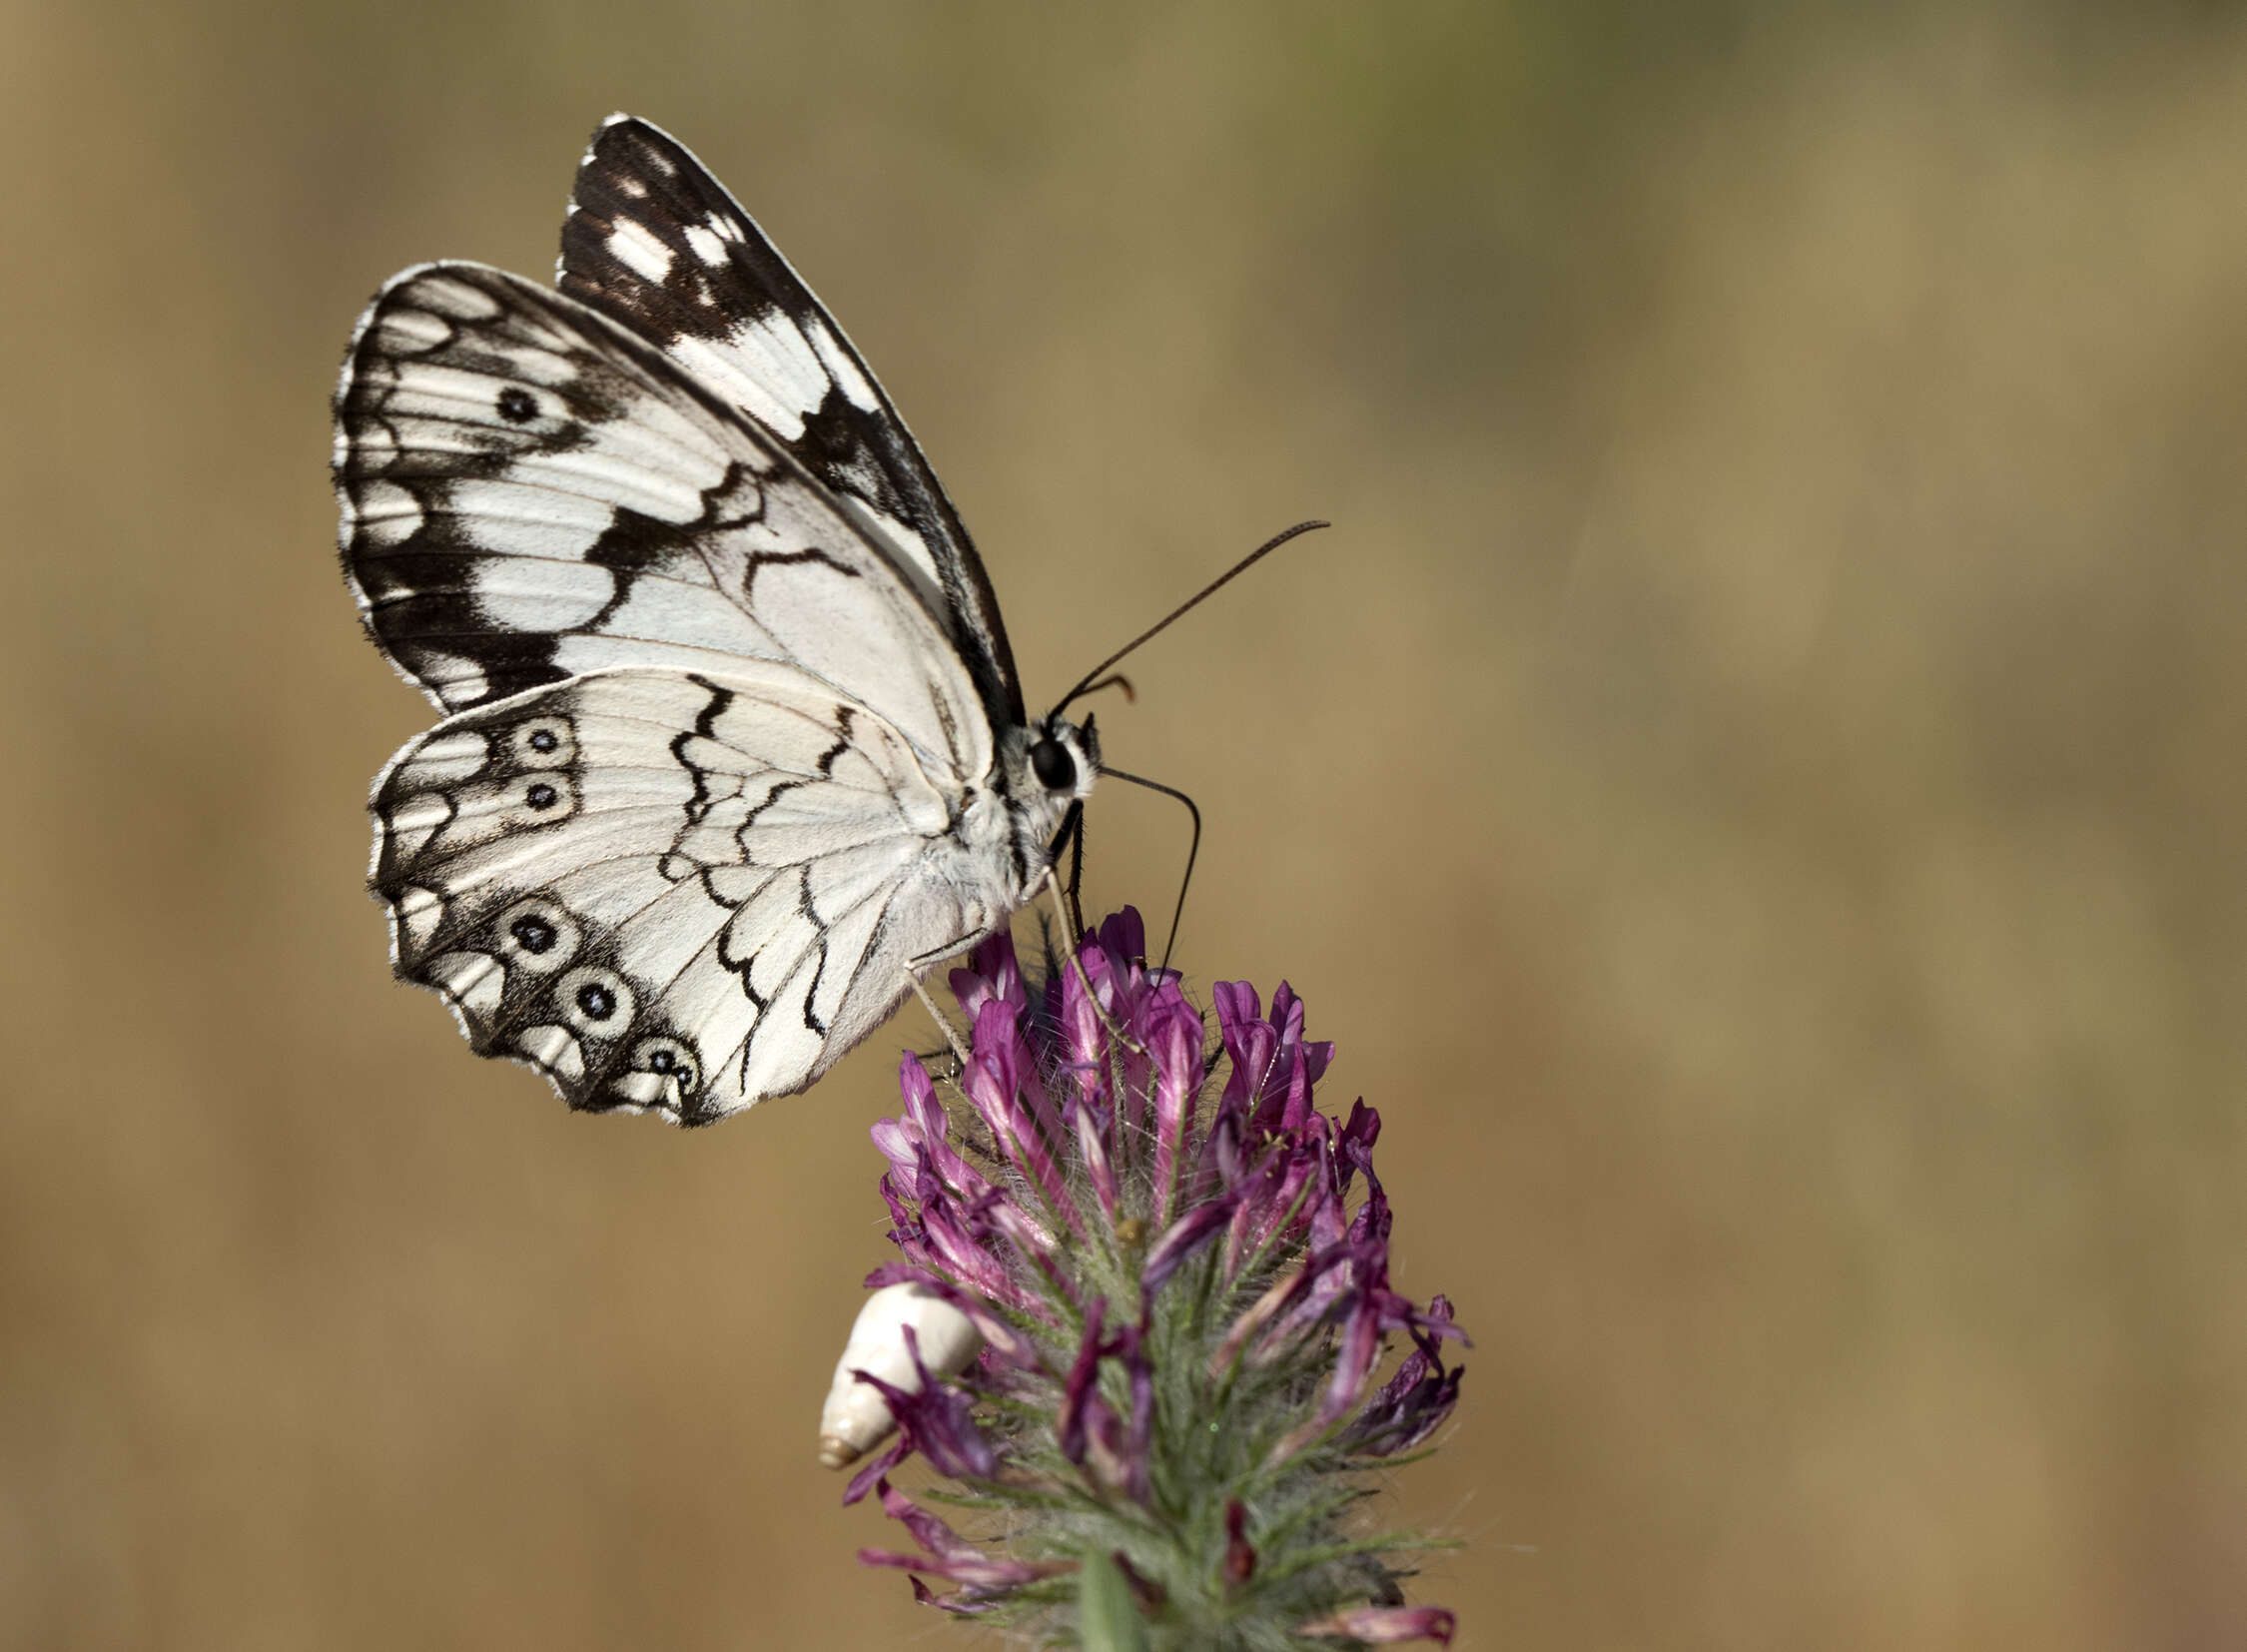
point(948, 1555)
point(1385, 1625)
point(1183, 1290)
point(1240, 1554)
point(1414, 1402)
point(937, 1421)
point(1076, 1388)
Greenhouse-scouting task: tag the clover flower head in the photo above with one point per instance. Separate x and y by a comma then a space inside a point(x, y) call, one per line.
point(1177, 1267)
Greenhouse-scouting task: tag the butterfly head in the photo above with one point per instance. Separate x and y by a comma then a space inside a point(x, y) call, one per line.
point(1063, 759)
point(1049, 765)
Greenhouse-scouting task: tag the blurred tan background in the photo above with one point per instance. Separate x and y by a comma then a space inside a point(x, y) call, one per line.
point(1754, 782)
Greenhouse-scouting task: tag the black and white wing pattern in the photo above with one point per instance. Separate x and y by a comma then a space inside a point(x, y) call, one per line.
point(529, 493)
point(654, 242)
point(718, 773)
point(668, 891)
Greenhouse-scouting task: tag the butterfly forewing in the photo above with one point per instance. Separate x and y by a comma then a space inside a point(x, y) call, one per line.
point(529, 495)
point(658, 245)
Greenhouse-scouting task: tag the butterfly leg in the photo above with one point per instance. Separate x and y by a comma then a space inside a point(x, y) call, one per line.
point(1060, 910)
point(912, 970)
point(1076, 962)
point(1074, 830)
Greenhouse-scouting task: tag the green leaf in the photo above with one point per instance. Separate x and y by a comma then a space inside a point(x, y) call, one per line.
point(1108, 1619)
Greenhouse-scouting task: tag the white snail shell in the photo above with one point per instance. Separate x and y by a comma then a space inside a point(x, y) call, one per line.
point(856, 1417)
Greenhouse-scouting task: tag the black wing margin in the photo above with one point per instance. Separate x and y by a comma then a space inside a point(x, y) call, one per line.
point(655, 243)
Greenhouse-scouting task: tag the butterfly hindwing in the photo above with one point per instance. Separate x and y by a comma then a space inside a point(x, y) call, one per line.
point(666, 891)
point(529, 493)
point(655, 243)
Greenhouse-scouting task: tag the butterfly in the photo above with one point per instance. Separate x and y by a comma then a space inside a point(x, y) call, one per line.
point(733, 745)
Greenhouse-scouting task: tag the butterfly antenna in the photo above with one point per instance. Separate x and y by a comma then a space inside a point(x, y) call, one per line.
point(1090, 680)
point(1192, 849)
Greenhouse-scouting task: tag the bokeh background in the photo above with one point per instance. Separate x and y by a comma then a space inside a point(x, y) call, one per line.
point(1754, 782)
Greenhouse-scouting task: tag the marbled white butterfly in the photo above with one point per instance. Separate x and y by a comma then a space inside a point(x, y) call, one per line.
point(733, 742)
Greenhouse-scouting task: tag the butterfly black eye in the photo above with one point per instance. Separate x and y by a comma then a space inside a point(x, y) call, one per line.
point(667, 1058)
point(541, 796)
point(516, 405)
point(1057, 770)
point(596, 1001)
point(537, 936)
point(545, 743)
